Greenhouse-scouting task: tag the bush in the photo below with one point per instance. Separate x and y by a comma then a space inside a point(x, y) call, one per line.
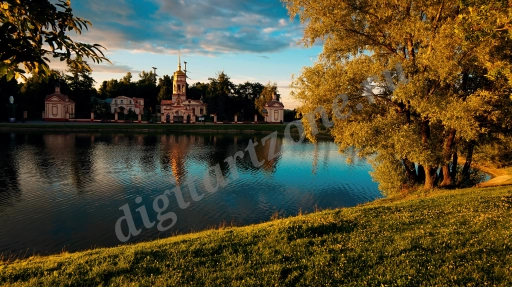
point(499, 152)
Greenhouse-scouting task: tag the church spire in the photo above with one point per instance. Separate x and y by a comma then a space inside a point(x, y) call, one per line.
point(179, 60)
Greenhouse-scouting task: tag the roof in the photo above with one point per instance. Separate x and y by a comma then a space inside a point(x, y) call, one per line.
point(274, 104)
point(109, 100)
point(61, 97)
point(123, 97)
point(180, 72)
point(166, 102)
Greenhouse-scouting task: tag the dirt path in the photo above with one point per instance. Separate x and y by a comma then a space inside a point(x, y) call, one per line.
point(501, 176)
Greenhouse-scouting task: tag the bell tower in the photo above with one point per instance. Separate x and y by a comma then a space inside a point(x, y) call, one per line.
point(179, 83)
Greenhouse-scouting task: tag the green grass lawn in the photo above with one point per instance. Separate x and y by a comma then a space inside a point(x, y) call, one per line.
point(442, 238)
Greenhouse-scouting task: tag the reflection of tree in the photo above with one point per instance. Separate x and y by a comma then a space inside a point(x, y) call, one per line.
point(61, 155)
point(264, 152)
point(149, 154)
point(315, 159)
point(81, 164)
point(228, 145)
point(10, 191)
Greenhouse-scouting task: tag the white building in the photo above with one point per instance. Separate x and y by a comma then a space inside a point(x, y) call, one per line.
point(274, 111)
point(127, 104)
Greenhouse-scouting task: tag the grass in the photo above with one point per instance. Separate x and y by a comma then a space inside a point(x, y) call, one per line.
point(156, 128)
point(443, 238)
point(143, 127)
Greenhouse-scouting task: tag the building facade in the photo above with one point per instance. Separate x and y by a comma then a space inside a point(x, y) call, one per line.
point(126, 104)
point(180, 109)
point(58, 107)
point(274, 110)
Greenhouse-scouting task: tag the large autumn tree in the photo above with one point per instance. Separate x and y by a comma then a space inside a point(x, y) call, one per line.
point(32, 32)
point(438, 82)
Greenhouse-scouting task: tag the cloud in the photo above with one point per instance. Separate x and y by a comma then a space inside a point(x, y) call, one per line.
point(97, 68)
point(106, 68)
point(207, 27)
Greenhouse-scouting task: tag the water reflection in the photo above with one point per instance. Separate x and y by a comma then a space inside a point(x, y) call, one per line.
point(65, 190)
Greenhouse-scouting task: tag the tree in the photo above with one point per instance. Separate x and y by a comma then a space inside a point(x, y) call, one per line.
point(7, 89)
point(126, 87)
point(147, 88)
point(219, 96)
point(110, 89)
point(444, 75)
point(31, 31)
point(197, 91)
point(247, 93)
point(165, 86)
point(82, 89)
point(266, 96)
point(127, 79)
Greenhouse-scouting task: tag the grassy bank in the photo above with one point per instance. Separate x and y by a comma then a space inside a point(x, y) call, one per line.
point(143, 127)
point(155, 128)
point(443, 238)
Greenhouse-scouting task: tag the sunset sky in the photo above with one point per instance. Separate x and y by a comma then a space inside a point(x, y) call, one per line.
point(250, 40)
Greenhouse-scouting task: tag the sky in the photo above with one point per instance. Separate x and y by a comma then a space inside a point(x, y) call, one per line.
point(250, 40)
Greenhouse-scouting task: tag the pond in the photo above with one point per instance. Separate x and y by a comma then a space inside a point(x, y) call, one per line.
point(70, 191)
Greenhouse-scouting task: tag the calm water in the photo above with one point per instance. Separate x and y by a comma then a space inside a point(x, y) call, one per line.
point(64, 191)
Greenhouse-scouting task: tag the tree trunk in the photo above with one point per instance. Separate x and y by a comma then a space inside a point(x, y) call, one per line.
point(425, 131)
point(424, 171)
point(447, 175)
point(469, 159)
point(410, 169)
point(430, 177)
point(454, 166)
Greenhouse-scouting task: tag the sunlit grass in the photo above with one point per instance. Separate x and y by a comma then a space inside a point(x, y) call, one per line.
point(443, 238)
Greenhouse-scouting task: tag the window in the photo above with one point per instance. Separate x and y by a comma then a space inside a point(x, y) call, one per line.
point(276, 115)
point(122, 101)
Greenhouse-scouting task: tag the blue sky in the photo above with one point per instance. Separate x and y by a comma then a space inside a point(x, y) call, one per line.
point(250, 40)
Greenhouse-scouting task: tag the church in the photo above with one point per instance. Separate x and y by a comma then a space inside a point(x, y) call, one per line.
point(180, 109)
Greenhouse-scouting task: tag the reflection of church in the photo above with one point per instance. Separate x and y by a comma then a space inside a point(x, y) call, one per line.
point(180, 109)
